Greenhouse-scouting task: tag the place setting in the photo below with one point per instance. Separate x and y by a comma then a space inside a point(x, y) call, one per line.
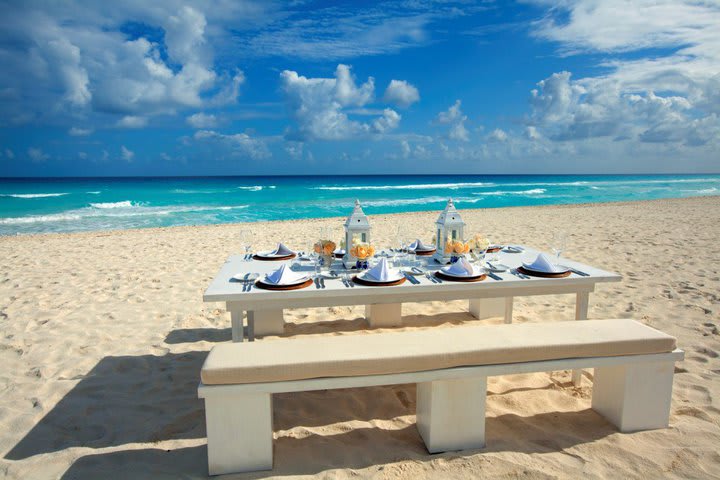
point(381, 275)
point(280, 253)
point(462, 271)
point(284, 278)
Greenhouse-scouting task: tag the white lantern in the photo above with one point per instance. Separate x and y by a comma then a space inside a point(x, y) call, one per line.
point(449, 226)
point(357, 229)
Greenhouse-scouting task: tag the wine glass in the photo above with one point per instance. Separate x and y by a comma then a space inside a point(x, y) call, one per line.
point(246, 242)
point(558, 244)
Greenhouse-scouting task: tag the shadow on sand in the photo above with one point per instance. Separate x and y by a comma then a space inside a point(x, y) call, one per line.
point(354, 449)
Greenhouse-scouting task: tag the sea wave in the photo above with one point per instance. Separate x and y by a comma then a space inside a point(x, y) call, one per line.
point(94, 193)
point(594, 183)
point(534, 191)
point(32, 195)
point(417, 186)
point(89, 213)
point(255, 188)
point(123, 204)
point(417, 201)
point(703, 191)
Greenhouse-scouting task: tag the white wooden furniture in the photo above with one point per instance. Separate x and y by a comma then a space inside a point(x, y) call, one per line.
point(633, 363)
point(486, 299)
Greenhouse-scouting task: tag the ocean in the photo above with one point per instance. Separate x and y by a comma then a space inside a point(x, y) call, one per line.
point(87, 204)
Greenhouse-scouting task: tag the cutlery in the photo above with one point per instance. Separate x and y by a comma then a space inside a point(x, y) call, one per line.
point(417, 270)
point(410, 278)
point(344, 282)
point(519, 275)
point(322, 282)
point(576, 271)
point(317, 282)
point(493, 276)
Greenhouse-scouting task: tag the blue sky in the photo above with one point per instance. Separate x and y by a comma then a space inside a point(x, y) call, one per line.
point(259, 87)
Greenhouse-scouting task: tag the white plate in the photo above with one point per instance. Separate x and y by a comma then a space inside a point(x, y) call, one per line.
point(560, 270)
point(292, 284)
point(497, 267)
point(477, 271)
point(273, 255)
point(394, 277)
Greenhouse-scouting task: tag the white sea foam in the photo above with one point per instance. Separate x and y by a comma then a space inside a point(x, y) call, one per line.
point(418, 186)
point(417, 201)
point(703, 191)
point(94, 193)
point(123, 204)
point(32, 195)
point(127, 209)
point(534, 191)
point(255, 188)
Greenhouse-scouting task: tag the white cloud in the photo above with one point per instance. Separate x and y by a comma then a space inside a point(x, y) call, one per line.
point(126, 154)
point(405, 148)
point(238, 143)
point(37, 155)
point(202, 120)
point(671, 95)
point(454, 117)
point(498, 135)
point(319, 106)
point(401, 93)
point(80, 132)
point(132, 121)
point(294, 149)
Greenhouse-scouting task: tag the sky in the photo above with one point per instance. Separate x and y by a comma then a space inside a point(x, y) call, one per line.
point(247, 87)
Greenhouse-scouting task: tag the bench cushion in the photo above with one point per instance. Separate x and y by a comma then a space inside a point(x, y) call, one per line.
point(430, 349)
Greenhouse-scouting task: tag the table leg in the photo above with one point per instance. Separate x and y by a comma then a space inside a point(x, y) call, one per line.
point(265, 322)
point(508, 309)
point(482, 308)
point(236, 317)
point(384, 315)
point(581, 313)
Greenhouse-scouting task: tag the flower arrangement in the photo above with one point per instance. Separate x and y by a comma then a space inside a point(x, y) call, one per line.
point(479, 242)
point(362, 251)
point(324, 247)
point(456, 248)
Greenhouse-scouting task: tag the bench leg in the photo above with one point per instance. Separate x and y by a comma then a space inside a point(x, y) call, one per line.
point(239, 433)
point(384, 315)
point(581, 313)
point(636, 396)
point(236, 319)
point(265, 322)
point(451, 414)
point(482, 308)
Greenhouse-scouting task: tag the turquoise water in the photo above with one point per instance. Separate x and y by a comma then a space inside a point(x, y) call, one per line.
point(70, 205)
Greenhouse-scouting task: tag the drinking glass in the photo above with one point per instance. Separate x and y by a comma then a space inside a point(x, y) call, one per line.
point(246, 242)
point(558, 244)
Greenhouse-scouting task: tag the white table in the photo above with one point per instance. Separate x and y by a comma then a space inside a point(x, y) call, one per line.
point(487, 298)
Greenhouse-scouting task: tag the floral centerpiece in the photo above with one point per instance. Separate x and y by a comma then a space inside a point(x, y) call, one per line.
point(479, 243)
point(362, 251)
point(456, 249)
point(325, 249)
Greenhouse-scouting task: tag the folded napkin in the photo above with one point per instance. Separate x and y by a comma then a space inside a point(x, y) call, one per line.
point(514, 249)
point(281, 251)
point(543, 264)
point(461, 268)
point(381, 271)
point(284, 276)
point(419, 245)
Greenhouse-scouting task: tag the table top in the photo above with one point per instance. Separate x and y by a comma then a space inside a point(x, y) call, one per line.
point(224, 289)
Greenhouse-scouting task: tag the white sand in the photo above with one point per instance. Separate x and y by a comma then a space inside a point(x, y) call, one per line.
point(103, 336)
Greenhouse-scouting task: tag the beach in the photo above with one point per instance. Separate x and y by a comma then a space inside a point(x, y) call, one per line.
point(104, 334)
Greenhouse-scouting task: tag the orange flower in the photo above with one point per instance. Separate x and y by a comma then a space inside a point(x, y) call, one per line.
point(329, 248)
point(458, 247)
point(449, 246)
point(371, 251)
point(353, 251)
point(362, 251)
point(467, 248)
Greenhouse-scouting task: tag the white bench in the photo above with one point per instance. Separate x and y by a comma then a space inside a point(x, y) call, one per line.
point(632, 387)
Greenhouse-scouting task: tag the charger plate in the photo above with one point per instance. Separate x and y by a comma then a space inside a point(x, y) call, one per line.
point(360, 281)
point(535, 273)
point(273, 258)
point(451, 278)
point(271, 286)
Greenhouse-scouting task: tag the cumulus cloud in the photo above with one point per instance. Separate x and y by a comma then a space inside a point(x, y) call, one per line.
point(240, 144)
point(37, 155)
point(132, 121)
point(202, 120)
point(401, 93)
point(454, 117)
point(319, 106)
point(80, 132)
point(672, 96)
point(498, 135)
point(126, 154)
point(61, 59)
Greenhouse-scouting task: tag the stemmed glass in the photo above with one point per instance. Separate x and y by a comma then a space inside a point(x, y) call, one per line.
point(558, 244)
point(246, 242)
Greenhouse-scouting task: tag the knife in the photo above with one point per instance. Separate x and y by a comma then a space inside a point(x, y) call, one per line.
point(493, 276)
